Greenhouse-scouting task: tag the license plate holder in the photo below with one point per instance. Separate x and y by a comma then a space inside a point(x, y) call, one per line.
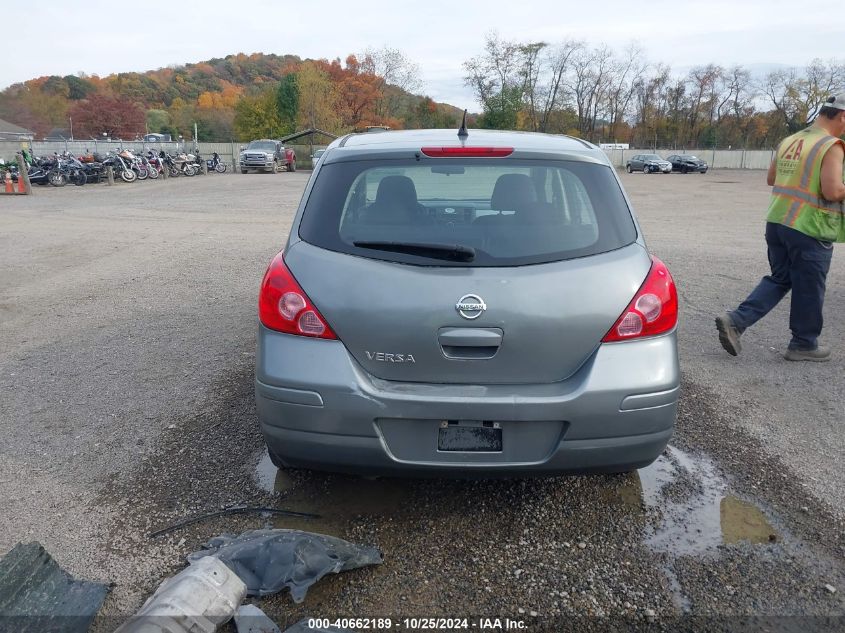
point(469, 437)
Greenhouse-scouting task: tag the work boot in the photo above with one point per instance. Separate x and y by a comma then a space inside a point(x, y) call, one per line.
point(728, 334)
point(819, 355)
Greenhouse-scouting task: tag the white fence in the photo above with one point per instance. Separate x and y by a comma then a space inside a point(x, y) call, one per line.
point(716, 158)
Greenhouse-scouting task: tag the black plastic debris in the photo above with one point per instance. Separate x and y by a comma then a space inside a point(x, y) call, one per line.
point(38, 596)
point(270, 560)
point(302, 627)
point(251, 619)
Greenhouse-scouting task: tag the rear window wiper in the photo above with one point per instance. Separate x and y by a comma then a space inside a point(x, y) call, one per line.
point(451, 252)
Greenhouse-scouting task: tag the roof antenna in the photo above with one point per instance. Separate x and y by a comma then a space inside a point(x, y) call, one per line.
point(462, 133)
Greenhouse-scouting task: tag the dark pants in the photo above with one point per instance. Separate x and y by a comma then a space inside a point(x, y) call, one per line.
point(799, 263)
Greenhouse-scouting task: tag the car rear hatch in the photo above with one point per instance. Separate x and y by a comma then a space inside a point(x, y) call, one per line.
point(470, 272)
point(539, 323)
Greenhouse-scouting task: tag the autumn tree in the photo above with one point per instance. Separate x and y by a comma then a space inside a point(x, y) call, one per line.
point(358, 92)
point(99, 114)
point(396, 75)
point(257, 116)
point(318, 103)
point(796, 95)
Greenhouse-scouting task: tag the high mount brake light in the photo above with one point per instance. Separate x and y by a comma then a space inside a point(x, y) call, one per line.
point(283, 306)
point(467, 152)
point(652, 311)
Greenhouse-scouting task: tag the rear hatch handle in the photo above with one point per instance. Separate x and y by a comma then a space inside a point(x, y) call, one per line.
point(465, 343)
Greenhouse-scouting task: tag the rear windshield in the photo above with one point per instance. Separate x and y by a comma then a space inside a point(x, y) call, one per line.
point(487, 212)
point(262, 145)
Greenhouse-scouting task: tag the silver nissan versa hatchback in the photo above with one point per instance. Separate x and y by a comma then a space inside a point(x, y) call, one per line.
point(475, 302)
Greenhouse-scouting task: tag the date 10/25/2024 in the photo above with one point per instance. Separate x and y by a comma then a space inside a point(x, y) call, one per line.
point(419, 624)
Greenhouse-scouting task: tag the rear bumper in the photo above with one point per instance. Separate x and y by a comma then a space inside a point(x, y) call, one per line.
point(322, 410)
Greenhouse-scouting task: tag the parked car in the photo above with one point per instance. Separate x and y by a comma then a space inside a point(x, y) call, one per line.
point(317, 154)
point(648, 163)
point(686, 163)
point(267, 155)
point(478, 306)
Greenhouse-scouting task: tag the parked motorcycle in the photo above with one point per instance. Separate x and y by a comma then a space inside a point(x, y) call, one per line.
point(72, 169)
point(121, 167)
point(155, 163)
point(39, 170)
point(134, 164)
point(178, 165)
point(152, 171)
point(196, 160)
point(215, 164)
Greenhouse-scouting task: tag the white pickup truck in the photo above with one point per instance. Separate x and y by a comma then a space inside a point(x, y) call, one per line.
point(266, 155)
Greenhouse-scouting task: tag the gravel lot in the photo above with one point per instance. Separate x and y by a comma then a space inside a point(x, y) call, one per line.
point(127, 323)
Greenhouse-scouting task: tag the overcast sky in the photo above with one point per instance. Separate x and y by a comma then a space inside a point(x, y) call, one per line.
point(102, 37)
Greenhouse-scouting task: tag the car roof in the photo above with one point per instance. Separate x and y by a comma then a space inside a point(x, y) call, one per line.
point(526, 143)
point(413, 138)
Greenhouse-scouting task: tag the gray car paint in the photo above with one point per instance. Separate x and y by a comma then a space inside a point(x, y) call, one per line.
point(553, 315)
point(556, 390)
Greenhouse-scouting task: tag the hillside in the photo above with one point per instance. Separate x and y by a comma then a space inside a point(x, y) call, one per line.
point(229, 98)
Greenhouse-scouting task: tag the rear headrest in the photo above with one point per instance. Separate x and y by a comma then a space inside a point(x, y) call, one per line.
point(512, 192)
point(396, 191)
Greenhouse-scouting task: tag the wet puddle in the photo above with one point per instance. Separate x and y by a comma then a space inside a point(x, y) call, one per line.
point(696, 512)
point(336, 498)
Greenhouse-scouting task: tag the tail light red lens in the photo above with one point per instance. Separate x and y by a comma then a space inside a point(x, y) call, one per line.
point(467, 152)
point(283, 306)
point(652, 311)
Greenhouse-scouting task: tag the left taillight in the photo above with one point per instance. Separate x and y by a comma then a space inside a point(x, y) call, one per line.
point(283, 306)
point(652, 311)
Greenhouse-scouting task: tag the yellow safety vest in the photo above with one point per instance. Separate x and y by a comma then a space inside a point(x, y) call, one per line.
point(797, 199)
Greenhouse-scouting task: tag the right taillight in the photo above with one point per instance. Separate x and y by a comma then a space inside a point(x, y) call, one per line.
point(284, 306)
point(652, 311)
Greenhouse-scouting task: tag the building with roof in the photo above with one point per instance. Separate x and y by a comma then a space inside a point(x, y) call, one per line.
point(12, 132)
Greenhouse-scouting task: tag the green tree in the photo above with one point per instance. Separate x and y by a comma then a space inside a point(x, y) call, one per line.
point(500, 112)
point(158, 121)
point(78, 88)
point(287, 103)
point(257, 116)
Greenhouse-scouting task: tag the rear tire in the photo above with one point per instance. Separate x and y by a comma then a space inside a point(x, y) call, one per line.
point(292, 166)
point(628, 168)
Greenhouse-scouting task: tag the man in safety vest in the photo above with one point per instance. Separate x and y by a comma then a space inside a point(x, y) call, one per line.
point(806, 215)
